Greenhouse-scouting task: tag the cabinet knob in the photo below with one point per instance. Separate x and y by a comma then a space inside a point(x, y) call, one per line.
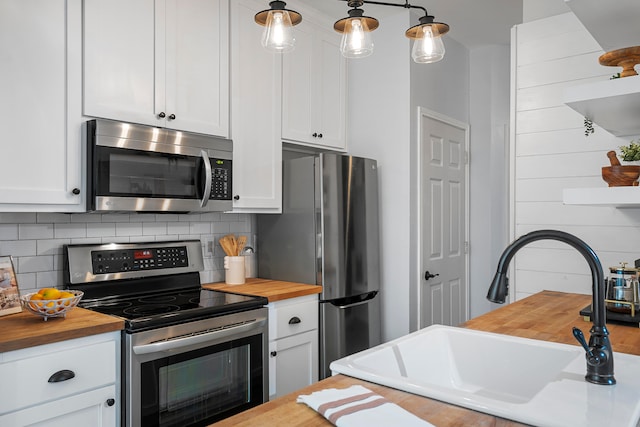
point(274, 353)
point(315, 134)
point(236, 197)
point(162, 115)
point(62, 375)
point(172, 117)
point(294, 320)
point(110, 402)
point(319, 135)
point(75, 191)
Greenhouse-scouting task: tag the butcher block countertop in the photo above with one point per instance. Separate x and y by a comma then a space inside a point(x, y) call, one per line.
point(273, 290)
point(547, 316)
point(22, 330)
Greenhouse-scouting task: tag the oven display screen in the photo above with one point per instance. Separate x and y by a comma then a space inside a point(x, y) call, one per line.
point(143, 254)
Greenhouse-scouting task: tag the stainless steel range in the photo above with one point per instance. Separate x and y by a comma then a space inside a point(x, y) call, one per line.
point(190, 356)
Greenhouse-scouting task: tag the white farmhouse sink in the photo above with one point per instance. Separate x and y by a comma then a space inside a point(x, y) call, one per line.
point(530, 381)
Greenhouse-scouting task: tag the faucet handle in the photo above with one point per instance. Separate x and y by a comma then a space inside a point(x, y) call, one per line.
point(580, 337)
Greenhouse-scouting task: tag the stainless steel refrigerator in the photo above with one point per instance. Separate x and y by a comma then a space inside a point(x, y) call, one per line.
point(328, 235)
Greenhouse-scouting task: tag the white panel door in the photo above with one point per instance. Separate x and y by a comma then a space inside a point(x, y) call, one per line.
point(443, 290)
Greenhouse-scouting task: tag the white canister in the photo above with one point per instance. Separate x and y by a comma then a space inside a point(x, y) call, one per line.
point(234, 270)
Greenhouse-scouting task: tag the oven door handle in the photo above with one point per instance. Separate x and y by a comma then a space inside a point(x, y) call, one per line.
point(207, 180)
point(199, 338)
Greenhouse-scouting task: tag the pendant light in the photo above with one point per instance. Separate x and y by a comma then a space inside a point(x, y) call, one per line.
point(277, 21)
point(356, 32)
point(427, 40)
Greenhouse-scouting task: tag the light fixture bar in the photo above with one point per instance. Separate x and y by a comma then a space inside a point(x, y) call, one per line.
point(427, 35)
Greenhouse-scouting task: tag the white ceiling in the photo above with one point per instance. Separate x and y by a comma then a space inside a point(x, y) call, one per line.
point(473, 23)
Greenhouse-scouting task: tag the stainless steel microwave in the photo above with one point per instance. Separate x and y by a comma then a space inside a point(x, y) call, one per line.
point(137, 168)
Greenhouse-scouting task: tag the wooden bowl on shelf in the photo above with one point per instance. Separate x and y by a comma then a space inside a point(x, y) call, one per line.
point(627, 58)
point(621, 175)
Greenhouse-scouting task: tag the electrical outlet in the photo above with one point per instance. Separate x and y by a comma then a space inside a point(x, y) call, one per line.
point(207, 243)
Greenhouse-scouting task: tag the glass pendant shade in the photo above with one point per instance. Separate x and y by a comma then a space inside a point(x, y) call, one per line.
point(428, 48)
point(278, 22)
point(277, 34)
point(356, 40)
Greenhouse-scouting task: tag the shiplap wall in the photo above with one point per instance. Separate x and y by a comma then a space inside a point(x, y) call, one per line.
point(550, 152)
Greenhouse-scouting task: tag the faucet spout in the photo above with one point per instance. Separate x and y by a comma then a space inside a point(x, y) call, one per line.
point(600, 366)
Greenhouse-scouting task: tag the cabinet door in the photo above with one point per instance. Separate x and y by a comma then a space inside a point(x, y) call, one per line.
point(314, 89)
point(255, 115)
point(158, 62)
point(197, 66)
point(40, 87)
point(120, 59)
point(293, 363)
point(298, 91)
point(96, 408)
point(332, 92)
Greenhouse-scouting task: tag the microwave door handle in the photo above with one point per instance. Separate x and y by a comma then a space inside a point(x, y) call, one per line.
point(207, 180)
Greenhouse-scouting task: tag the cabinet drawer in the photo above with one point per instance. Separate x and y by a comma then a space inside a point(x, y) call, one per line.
point(28, 378)
point(293, 318)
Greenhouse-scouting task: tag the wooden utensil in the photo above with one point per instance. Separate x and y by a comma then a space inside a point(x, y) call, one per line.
point(242, 241)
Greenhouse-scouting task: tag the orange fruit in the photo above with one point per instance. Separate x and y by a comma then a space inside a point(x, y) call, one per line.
point(43, 290)
point(51, 293)
point(36, 297)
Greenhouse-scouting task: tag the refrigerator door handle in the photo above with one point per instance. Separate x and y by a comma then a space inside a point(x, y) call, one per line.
point(341, 302)
point(353, 305)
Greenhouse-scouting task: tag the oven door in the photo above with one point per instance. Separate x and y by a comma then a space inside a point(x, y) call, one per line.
point(206, 371)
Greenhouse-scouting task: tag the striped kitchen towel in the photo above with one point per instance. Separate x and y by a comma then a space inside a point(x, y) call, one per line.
point(358, 406)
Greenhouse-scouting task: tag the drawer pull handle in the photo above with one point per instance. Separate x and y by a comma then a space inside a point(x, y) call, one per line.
point(62, 375)
point(294, 320)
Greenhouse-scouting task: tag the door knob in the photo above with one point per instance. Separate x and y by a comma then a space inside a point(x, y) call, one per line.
point(162, 115)
point(172, 116)
point(428, 275)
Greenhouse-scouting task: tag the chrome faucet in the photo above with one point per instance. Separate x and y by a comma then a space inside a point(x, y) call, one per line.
point(599, 354)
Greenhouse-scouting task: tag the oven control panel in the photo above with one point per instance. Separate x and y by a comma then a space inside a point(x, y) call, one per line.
point(122, 260)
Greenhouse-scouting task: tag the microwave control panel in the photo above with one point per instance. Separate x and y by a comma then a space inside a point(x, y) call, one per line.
point(220, 179)
point(122, 260)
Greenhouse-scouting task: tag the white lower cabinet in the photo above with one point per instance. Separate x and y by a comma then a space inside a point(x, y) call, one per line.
point(293, 344)
point(69, 383)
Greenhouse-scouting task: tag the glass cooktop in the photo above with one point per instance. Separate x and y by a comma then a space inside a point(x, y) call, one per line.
point(168, 308)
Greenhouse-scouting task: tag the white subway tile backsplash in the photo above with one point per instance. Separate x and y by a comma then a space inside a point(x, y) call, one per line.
point(129, 229)
point(47, 217)
point(102, 229)
point(51, 246)
point(70, 230)
point(18, 247)
point(178, 228)
point(35, 231)
point(199, 228)
point(34, 264)
point(17, 218)
point(26, 282)
point(36, 240)
point(8, 231)
point(154, 228)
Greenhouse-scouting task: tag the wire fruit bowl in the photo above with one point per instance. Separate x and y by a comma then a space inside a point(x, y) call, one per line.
point(52, 307)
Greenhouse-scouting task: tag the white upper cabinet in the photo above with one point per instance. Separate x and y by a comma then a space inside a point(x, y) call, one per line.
point(40, 90)
point(158, 62)
point(314, 80)
point(255, 114)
